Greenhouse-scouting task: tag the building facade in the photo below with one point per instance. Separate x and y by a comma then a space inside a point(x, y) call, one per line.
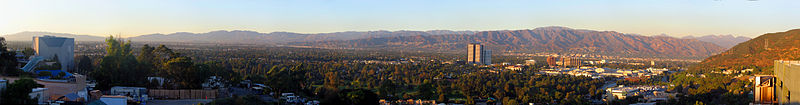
point(50, 47)
point(572, 62)
point(530, 62)
point(764, 89)
point(787, 87)
point(477, 54)
point(551, 61)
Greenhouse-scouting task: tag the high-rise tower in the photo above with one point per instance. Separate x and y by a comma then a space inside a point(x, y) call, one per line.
point(477, 54)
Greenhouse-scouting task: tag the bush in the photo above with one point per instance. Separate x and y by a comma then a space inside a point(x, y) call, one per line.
point(17, 92)
point(45, 73)
point(61, 74)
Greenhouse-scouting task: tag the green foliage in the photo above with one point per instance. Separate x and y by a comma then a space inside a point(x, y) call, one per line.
point(712, 89)
point(28, 52)
point(118, 67)
point(54, 66)
point(45, 73)
point(17, 92)
point(239, 100)
point(8, 62)
point(61, 75)
point(351, 97)
point(84, 65)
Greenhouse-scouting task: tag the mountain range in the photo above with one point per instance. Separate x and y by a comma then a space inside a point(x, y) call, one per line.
point(238, 36)
point(726, 41)
point(545, 39)
point(760, 52)
point(28, 36)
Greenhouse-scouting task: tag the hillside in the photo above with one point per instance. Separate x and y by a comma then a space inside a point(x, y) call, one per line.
point(546, 39)
point(726, 41)
point(237, 36)
point(28, 36)
point(759, 51)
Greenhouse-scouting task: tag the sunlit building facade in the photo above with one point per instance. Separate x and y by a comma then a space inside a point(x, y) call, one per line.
point(787, 82)
point(477, 54)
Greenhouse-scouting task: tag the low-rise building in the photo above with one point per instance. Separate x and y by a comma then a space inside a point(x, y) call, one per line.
point(113, 100)
point(40, 95)
point(137, 93)
point(514, 67)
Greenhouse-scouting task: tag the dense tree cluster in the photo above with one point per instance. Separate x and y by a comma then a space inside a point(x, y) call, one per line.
point(17, 92)
point(710, 88)
point(316, 76)
point(8, 62)
point(120, 67)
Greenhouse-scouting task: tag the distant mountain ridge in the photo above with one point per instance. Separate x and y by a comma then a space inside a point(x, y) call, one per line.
point(28, 36)
point(239, 36)
point(545, 39)
point(726, 41)
point(760, 52)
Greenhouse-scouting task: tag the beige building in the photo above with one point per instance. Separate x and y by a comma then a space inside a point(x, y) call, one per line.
point(787, 82)
point(477, 54)
point(764, 90)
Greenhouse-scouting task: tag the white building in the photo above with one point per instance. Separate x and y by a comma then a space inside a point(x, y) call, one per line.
point(133, 92)
point(39, 94)
point(114, 100)
point(530, 62)
point(51, 46)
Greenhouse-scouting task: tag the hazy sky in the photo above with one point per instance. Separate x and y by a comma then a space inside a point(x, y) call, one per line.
point(647, 17)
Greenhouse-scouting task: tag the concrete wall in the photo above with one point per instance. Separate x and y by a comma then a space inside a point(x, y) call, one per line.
point(50, 46)
point(787, 86)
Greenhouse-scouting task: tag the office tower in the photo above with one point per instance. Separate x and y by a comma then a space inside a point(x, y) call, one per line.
point(477, 54)
point(551, 61)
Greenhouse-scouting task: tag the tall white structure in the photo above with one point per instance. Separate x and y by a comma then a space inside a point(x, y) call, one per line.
point(49, 47)
point(476, 54)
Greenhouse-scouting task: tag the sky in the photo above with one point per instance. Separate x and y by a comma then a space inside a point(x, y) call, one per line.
point(646, 17)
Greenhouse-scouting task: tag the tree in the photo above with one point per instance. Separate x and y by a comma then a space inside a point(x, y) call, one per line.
point(442, 98)
point(146, 59)
point(352, 97)
point(8, 62)
point(28, 52)
point(17, 93)
point(183, 72)
point(425, 90)
point(61, 75)
point(84, 64)
point(118, 66)
point(240, 100)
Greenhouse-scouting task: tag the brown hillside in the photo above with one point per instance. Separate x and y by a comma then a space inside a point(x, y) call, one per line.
point(548, 39)
point(759, 51)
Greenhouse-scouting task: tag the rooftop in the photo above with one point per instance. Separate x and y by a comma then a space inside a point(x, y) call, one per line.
point(791, 62)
